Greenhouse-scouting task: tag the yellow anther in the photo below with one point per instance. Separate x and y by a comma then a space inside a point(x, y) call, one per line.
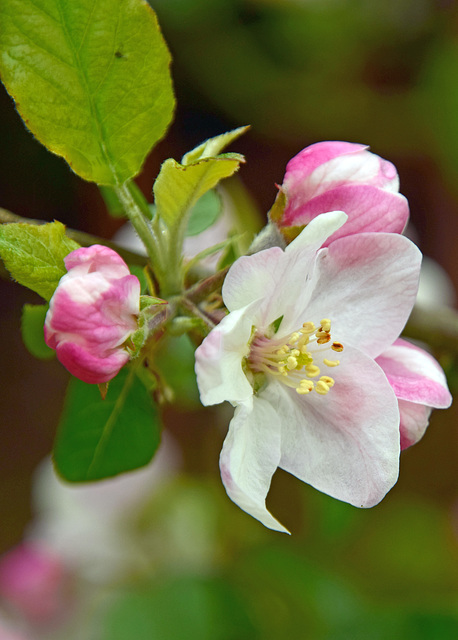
point(295, 352)
point(320, 333)
point(312, 370)
point(331, 363)
point(304, 350)
point(326, 324)
point(322, 388)
point(308, 327)
point(291, 363)
point(336, 346)
point(327, 380)
point(305, 386)
point(283, 370)
point(324, 339)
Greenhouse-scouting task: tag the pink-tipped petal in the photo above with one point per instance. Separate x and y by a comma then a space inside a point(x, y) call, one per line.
point(312, 157)
point(415, 375)
point(90, 368)
point(369, 210)
point(97, 258)
point(92, 313)
point(414, 422)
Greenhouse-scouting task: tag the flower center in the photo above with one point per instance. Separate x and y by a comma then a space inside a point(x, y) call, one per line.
point(296, 360)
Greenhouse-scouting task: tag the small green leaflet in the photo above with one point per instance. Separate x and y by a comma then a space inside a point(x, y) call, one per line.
point(32, 322)
point(178, 187)
point(90, 79)
point(34, 254)
point(98, 438)
point(213, 146)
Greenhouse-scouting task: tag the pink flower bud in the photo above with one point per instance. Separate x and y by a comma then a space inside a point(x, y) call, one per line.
point(92, 313)
point(342, 176)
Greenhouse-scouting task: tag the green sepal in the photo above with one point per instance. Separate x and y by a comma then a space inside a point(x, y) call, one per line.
point(278, 208)
point(91, 80)
point(34, 254)
point(32, 323)
point(98, 438)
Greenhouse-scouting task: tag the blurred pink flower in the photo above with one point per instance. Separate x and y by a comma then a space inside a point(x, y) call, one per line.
point(331, 176)
point(92, 313)
point(34, 581)
point(339, 431)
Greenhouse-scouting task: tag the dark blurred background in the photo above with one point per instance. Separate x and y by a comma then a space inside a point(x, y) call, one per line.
point(384, 73)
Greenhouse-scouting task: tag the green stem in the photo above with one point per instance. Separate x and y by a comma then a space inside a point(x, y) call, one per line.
point(138, 218)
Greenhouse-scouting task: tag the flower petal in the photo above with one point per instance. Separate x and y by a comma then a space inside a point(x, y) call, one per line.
point(97, 258)
point(88, 367)
point(415, 375)
point(366, 284)
point(249, 458)
point(219, 360)
point(368, 208)
point(325, 165)
point(345, 443)
point(414, 421)
point(277, 278)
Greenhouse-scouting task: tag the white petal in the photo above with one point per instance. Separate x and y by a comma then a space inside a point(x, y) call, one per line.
point(345, 443)
point(276, 278)
point(249, 458)
point(219, 359)
point(366, 284)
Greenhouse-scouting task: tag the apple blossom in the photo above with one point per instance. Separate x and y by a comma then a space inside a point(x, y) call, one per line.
point(296, 356)
point(92, 313)
point(330, 176)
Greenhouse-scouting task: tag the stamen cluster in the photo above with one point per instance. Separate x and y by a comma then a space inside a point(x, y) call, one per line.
point(293, 359)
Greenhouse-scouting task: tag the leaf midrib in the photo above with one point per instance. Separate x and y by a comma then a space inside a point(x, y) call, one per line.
point(85, 82)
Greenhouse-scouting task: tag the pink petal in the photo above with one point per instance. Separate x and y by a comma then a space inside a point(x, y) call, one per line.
point(249, 458)
point(345, 443)
point(315, 155)
point(366, 284)
point(83, 364)
point(415, 375)
point(97, 258)
point(414, 421)
point(368, 209)
point(327, 165)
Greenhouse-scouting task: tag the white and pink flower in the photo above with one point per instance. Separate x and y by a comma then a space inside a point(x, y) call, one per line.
point(331, 176)
point(323, 408)
point(92, 313)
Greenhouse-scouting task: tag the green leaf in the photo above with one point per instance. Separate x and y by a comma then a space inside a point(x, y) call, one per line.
point(204, 213)
point(90, 79)
point(99, 438)
point(32, 322)
point(213, 146)
point(34, 254)
point(178, 187)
